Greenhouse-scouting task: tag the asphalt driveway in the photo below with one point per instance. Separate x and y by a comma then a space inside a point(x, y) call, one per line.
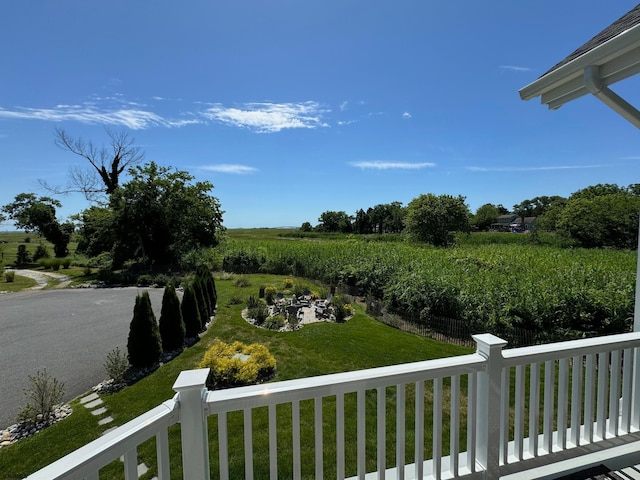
point(68, 332)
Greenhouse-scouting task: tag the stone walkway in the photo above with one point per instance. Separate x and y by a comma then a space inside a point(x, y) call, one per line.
point(43, 278)
point(94, 403)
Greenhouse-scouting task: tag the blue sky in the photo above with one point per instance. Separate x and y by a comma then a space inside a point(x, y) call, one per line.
point(292, 108)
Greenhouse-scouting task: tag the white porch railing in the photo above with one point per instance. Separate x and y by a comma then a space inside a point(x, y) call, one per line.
point(484, 415)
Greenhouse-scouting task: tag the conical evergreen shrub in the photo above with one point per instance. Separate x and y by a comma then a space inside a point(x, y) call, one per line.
point(171, 324)
point(210, 287)
point(203, 306)
point(190, 313)
point(143, 346)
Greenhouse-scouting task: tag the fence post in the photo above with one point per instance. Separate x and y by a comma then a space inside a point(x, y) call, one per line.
point(191, 388)
point(488, 404)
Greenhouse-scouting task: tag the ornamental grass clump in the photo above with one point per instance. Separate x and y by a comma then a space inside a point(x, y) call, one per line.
point(237, 364)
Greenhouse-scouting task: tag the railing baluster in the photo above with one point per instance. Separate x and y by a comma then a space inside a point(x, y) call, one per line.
point(223, 446)
point(601, 402)
point(635, 397)
point(317, 411)
point(549, 398)
point(504, 415)
point(454, 425)
point(273, 443)
point(361, 437)
point(248, 445)
point(534, 407)
point(563, 402)
point(576, 399)
point(518, 428)
point(419, 428)
point(614, 393)
point(437, 428)
point(382, 434)
point(295, 434)
point(589, 400)
point(400, 430)
point(627, 372)
point(472, 420)
point(131, 465)
point(340, 435)
point(162, 452)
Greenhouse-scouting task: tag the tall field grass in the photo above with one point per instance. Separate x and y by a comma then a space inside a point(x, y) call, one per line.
point(558, 292)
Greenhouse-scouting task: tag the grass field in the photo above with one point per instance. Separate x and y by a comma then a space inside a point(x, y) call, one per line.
point(314, 350)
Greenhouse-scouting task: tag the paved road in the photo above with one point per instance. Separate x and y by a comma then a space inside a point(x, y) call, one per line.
point(69, 332)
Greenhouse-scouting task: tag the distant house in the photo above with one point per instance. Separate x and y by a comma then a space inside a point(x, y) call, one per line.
point(503, 223)
point(510, 222)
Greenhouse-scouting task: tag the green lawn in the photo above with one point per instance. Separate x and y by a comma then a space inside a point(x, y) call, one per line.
point(314, 350)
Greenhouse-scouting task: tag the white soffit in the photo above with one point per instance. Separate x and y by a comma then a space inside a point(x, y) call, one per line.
point(618, 58)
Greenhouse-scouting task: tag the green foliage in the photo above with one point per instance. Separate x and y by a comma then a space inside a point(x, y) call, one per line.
point(39, 214)
point(306, 227)
point(190, 313)
point(252, 302)
point(171, 325)
point(275, 322)
point(43, 394)
point(242, 262)
point(237, 364)
point(10, 276)
point(330, 221)
point(160, 212)
point(433, 219)
point(258, 312)
point(143, 345)
point(41, 252)
point(270, 293)
point(23, 257)
point(606, 220)
point(241, 282)
point(485, 216)
point(203, 302)
point(117, 365)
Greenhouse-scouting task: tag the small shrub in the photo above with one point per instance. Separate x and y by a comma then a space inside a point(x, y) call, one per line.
point(270, 294)
point(27, 240)
point(10, 276)
point(44, 263)
point(55, 264)
point(237, 364)
point(22, 256)
point(235, 300)
point(43, 394)
point(274, 323)
point(117, 365)
point(87, 271)
point(299, 289)
point(252, 302)
point(41, 252)
point(287, 283)
point(242, 282)
point(66, 263)
point(144, 280)
point(259, 313)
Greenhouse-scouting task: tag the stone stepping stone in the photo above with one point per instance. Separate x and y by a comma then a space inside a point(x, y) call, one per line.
point(110, 430)
point(98, 411)
point(94, 403)
point(105, 420)
point(89, 398)
point(142, 469)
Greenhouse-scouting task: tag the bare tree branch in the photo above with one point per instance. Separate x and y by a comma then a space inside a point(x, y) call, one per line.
point(108, 164)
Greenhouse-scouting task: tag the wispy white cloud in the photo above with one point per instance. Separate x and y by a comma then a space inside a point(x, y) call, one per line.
point(513, 68)
point(230, 168)
point(406, 115)
point(343, 106)
point(269, 117)
point(532, 169)
point(379, 165)
point(135, 119)
point(345, 122)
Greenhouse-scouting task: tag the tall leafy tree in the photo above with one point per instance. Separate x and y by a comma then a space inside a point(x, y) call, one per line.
point(31, 213)
point(161, 214)
point(433, 219)
point(485, 216)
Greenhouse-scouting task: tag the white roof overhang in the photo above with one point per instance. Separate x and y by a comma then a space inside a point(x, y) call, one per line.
point(592, 72)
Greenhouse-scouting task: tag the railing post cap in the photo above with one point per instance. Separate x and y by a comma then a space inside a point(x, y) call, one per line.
point(191, 379)
point(486, 341)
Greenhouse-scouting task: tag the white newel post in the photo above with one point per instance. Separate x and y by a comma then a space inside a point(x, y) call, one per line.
point(488, 413)
point(191, 388)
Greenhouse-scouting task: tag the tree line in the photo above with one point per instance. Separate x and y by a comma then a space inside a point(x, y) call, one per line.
point(602, 215)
